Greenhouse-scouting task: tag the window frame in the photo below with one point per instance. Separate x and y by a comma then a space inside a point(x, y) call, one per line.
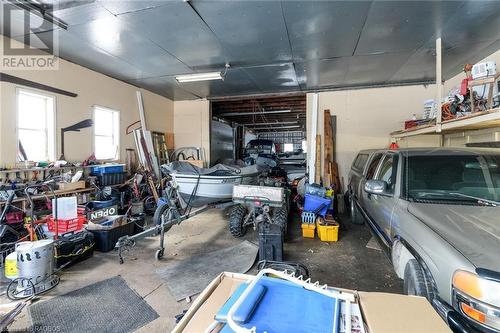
point(118, 153)
point(28, 91)
point(368, 164)
point(394, 170)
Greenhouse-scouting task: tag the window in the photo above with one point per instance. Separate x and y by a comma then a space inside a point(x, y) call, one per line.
point(304, 146)
point(388, 170)
point(288, 147)
point(35, 127)
point(360, 162)
point(373, 166)
point(106, 133)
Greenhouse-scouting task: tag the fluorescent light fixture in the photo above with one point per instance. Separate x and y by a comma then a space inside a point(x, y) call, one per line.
point(229, 114)
point(275, 123)
point(276, 127)
point(195, 77)
point(199, 77)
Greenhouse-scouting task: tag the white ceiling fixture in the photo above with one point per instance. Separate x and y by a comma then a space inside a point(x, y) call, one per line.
point(276, 127)
point(195, 77)
point(229, 114)
point(275, 123)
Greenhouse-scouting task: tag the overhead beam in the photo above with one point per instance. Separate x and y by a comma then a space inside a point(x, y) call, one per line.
point(35, 85)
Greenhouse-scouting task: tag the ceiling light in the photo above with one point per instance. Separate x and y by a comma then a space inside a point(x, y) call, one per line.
point(275, 123)
point(195, 77)
point(199, 77)
point(229, 114)
point(276, 127)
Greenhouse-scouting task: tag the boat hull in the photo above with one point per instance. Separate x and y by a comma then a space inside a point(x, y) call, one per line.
point(202, 190)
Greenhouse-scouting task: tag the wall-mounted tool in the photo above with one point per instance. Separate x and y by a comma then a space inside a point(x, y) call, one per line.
point(74, 128)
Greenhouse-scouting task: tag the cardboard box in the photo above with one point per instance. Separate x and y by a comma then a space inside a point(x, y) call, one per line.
point(169, 138)
point(71, 186)
point(198, 163)
point(382, 312)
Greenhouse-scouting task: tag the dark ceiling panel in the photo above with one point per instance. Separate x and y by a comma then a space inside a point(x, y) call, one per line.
point(75, 50)
point(316, 74)
point(455, 57)
point(165, 86)
point(251, 32)
point(236, 82)
point(19, 23)
point(394, 26)
point(421, 66)
point(78, 14)
point(324, 29)
point(177, 29)
point(118, 7)
point(117, 38)
point(475, 21)
point(374, 69)
point(274, 78)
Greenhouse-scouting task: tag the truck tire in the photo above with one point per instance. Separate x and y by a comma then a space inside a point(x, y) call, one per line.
point(415, 282)
point(236, 221)
point(356, 217)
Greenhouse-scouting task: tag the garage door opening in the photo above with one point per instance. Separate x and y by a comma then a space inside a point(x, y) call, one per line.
point(240, 125)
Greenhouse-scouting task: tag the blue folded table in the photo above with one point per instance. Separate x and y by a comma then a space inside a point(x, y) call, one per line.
point(277, 305)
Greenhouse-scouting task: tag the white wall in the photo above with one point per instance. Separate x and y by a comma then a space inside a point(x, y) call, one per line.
point(365, 117)
point(192, 125)
point(92, 88)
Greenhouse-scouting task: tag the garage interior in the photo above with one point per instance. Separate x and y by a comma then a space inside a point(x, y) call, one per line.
point(196, 166)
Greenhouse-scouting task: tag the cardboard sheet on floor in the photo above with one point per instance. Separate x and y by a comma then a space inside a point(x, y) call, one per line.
point(189, 276)
point(382, 312)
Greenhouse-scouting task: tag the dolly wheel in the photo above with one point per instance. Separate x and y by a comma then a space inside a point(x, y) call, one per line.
point(159, 254)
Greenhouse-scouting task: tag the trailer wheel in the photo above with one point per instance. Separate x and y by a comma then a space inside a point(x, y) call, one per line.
point(236, 221)
point(159, 212)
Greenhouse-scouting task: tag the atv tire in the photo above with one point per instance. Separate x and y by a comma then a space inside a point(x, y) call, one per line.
point(236, 221)
point(280, 217)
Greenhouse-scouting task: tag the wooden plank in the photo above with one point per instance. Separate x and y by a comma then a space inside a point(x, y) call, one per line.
point(328, 149)
point(317, 165)
point(31, 84)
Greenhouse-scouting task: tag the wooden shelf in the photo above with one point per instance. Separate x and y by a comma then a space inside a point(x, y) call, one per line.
point(477, 120)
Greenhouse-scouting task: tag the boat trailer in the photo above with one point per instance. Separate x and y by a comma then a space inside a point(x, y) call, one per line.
point(171, 210)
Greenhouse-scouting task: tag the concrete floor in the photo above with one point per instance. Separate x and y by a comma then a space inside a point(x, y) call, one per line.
point(347, 264)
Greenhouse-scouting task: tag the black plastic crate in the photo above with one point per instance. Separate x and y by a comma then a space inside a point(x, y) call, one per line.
point(108, 179)
point(105, 239)
point(270, 242)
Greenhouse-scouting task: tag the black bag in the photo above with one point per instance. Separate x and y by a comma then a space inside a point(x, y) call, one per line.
point(74, 247)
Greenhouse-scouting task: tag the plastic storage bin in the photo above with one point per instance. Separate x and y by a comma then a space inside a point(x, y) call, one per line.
point(108, 179)
point(107, 168)
point(328, 232)
point(64, 226)
point(308, 230)
point(312, 203)
point(105, 239)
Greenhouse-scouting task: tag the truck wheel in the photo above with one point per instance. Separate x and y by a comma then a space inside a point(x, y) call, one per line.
point(236, 221)
point(415, 282)
point(356, 217)
point(280, 217)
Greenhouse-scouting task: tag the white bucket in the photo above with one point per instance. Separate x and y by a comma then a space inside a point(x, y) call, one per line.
point(35, 260)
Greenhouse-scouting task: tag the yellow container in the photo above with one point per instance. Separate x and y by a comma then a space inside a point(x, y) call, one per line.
point(308, 230)
point(11, 266)
point(329, 232)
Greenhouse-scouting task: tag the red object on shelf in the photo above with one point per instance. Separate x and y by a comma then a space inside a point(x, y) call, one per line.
point(14, 217)
point(410, 124)
point(66, 225)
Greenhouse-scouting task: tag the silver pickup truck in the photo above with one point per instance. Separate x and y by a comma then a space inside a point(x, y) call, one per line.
point(437, 214)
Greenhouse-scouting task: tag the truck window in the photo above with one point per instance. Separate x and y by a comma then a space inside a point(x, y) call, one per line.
point(388, 171)
point(360, 161)
point(373, 166)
